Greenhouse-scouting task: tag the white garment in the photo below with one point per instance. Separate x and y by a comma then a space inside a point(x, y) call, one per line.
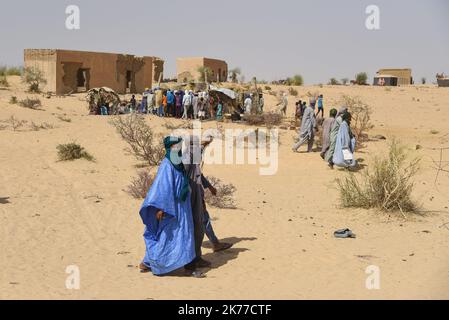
point(248, 103)
point(184, 115)
point(187, 100)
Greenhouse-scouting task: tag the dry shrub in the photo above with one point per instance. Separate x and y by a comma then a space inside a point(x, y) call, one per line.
point(293, 92)
point(272, 119)
point(4, 81)
point(72, 151)
point(64, 118)
point(269, 119)
point(254, 119)
point(140, 185)
point(387, 186)
point(14, 71)
point(34, 78)
point(32, 103)
point(16, 123)
point(13, 100)
point(140, 138)
point(361, 116)
point(42, 126)
point(225, 194)
point(267, 88)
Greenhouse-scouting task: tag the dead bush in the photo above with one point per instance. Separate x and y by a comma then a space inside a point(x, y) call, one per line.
point(387, 186)
point(268, 119)
point(16, 123)
point(140, 139)
point(255, 119)
point(140, 185)
point(42, 126)
point(72, 151)
point(272, 119)
point(225, 194)
point(31, 103)
point(361, 116)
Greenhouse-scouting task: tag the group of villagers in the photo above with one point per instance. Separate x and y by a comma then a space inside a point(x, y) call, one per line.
point(338, 140)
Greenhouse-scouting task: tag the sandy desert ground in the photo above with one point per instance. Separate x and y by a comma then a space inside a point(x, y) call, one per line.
point(55, 214)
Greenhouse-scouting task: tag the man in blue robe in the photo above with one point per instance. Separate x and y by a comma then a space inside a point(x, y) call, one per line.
point(167, 215)
point(345, 144)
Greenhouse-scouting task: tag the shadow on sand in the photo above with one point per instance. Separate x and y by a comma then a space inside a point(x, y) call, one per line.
point(218, 259)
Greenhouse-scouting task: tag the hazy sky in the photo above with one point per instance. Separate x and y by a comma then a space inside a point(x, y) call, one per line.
point(273, 39)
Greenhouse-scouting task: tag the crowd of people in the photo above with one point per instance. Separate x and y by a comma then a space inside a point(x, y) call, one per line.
point(186, 104)
point(181, 104)
point(175, 214)
point(338, 141)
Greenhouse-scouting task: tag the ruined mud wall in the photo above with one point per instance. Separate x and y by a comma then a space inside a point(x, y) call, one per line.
point(187, 68)
point(101, 68)
point(105, 70)
point(60, 67)
point(158, 69)
point(44, 60)
point(219, 69)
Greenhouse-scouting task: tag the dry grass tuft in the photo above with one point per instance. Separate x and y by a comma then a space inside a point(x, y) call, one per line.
point(31, 103)
point(72, 151)
point(387, 186)
point(64, 118)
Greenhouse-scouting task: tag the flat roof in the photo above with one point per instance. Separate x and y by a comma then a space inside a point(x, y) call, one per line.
point(87, 52)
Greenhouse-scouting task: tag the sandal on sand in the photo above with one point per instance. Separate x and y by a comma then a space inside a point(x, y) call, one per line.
point(344, 233)
point(221, 246)
point(143, 268)
point(198, 274)
point(194, 273)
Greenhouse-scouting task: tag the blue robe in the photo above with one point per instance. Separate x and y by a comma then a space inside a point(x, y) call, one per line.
point(344, 141)
point(169, 244)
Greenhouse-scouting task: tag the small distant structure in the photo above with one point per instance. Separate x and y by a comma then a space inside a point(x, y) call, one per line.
point(442, 80)
point(187, 69)
point(404, 76)
point(385, 80)
point(69, 71)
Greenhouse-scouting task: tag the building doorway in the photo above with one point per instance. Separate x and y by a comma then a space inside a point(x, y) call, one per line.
point(82, 79)
point(129, 81)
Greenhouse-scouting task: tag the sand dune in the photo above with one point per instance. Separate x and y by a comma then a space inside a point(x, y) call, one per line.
point(55, 214)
